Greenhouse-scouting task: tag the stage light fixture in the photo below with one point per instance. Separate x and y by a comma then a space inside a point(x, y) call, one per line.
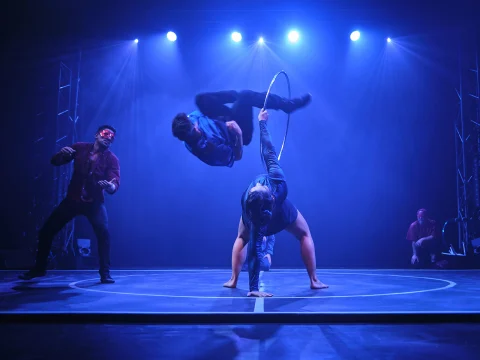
point(236, 36)
point(354, 36)
point(171, 36)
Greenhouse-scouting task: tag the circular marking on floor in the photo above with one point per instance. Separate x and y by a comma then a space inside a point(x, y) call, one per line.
point(447, 284)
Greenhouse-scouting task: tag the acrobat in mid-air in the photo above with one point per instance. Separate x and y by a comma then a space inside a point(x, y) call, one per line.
point(216, 133)
point(267, 211)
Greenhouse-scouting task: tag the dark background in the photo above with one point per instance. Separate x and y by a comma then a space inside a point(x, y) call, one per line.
point(375, 145)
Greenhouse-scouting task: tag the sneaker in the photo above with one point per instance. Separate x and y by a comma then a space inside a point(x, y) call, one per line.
point(34, 273)
point(106, 279)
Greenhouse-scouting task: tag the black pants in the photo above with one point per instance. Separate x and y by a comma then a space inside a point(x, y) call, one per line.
point(429, 253)
point(96, 213)
point(213, 106)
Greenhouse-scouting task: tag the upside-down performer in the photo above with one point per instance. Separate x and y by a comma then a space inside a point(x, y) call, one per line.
point(267, 211)
point(216, 133)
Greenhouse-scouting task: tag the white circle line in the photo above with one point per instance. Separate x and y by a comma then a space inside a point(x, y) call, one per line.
point(450, 284)
point(276, 271)
point(228, 270)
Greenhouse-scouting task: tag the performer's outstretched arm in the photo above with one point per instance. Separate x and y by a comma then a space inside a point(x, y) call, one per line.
point(113, 174)
point(64, 156)
point(237, 134)
point(277, 177)
point(255, 256)
point(275, 172)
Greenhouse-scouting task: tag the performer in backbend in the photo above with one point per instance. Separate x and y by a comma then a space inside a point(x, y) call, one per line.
point(267, 211)
point(216, 133)
point(96, 170)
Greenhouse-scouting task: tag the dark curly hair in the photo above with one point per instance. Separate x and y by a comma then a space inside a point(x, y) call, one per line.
point(259, 207)
point(181, 126)
point(109, 127)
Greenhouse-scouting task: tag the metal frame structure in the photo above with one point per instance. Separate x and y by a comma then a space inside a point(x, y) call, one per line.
point(41, 202)
point(66, 134)
point(467, 146)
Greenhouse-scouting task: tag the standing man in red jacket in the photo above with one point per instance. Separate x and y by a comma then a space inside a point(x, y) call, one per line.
point(96, 170)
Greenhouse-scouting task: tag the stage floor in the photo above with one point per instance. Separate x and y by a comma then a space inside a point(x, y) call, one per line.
point(200, 291)
point(187, 314)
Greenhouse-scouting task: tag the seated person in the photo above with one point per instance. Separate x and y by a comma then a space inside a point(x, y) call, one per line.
point(426, 244)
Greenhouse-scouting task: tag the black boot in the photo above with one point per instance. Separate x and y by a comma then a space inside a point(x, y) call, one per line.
point(106, 279)
point(288, 106)
point(274, 102)
point(31, 274)
point(296, 103)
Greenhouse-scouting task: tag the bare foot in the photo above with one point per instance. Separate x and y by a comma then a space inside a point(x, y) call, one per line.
point(232, 284)
point(317, 284)
point(259, 294)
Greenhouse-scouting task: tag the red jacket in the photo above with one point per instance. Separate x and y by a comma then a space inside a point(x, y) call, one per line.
point(87, 173)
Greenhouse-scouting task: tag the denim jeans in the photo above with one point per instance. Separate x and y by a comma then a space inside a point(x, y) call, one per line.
point(267, 248)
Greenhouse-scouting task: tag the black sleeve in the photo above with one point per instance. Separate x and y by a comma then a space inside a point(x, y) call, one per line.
point(269, 153)
point(60, 159)
point(255, 256)
point(275, 172)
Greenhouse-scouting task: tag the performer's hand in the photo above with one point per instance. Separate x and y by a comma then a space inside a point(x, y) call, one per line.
point(107, 185)
point(259, 294)
point(67, 151)
point(414, 259)
point(263, 115)
point(232, 126)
